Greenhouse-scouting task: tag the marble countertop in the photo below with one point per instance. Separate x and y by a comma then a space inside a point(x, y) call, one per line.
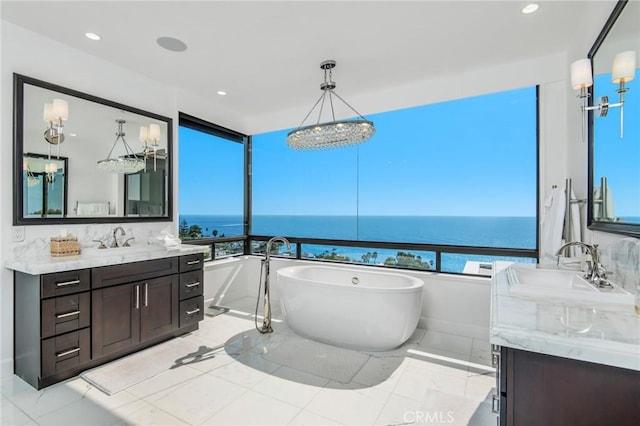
point(90, 258)
point(598, 332)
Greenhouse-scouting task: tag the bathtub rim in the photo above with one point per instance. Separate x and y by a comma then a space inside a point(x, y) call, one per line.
point(416, 285)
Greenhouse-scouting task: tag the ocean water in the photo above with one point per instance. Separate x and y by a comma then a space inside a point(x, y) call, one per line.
point(499, 232)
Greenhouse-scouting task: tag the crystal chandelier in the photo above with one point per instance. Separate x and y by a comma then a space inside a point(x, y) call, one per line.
point(127, 163)
point(332, 133)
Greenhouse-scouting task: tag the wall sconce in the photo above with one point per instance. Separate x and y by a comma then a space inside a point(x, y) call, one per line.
point(54, 114)
point(623, 70)
point(32, 180)
point(150, 137)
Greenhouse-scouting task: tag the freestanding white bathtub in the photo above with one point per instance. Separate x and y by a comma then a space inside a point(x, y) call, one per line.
point(349, 307)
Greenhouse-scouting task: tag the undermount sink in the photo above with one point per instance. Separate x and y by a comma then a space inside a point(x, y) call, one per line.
point(121, 251)
point(564, 284)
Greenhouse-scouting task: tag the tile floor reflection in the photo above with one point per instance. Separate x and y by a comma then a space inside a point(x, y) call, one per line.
point(239, 377)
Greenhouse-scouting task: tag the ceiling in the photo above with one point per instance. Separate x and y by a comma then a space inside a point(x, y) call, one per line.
point(266, 54)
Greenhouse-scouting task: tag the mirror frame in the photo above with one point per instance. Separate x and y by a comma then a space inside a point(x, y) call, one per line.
point(18, 151)
point(629, 229)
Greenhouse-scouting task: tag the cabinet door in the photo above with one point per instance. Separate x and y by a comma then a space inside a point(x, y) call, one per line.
point(158, 306)
point(550, 390)
point(115, 318)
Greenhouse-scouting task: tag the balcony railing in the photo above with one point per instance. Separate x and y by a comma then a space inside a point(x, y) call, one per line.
point(432, 257)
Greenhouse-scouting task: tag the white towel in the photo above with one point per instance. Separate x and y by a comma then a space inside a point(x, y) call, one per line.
point(92, 209)
point(552, 224)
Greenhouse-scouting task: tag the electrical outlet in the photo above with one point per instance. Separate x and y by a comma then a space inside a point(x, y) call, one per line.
point(17, 234)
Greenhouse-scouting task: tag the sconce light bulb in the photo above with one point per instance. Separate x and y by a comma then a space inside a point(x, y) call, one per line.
point(60, 109)
point(47, 115)
point(154, 132)
point(144, 134)
point(581, 77)
point(624, 67)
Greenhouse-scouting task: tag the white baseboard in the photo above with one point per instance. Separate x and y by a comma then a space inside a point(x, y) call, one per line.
point(459, 329)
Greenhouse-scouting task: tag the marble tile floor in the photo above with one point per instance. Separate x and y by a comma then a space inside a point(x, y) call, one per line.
point(241, 377)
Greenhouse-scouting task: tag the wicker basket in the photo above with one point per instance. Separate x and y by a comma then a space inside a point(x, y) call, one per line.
point(64, 246)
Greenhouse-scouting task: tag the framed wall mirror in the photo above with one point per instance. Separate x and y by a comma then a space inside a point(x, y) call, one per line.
point(113, 159)
point(614, 138)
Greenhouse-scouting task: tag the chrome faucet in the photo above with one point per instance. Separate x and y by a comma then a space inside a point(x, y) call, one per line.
point(595, 273)
point(114, 244)
point(282, 240)
point(266, 323)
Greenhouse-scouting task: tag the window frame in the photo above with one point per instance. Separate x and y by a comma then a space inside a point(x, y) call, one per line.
point(198, 124)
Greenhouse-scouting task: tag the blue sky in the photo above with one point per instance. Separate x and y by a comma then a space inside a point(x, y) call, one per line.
point(469, 157)
point(211, 174)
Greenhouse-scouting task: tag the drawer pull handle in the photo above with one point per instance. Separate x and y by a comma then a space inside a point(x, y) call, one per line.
point(193, 262)
point(146, 294)
point(68, 314)
point(66, 283)
point(69, 352)
point(195, 311)
point(194, 284)
point(137, 297)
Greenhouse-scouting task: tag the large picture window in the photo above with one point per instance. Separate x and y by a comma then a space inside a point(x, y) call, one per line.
point(461, 173)
point(211, 180)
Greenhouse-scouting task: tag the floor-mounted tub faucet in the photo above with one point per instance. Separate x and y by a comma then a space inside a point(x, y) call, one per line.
point(266, 323)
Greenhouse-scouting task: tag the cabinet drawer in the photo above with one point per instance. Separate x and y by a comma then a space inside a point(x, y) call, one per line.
point(65, 313)
point(137, 271)
point(191, 311)
point(65, 352)
point(191, 284)
point(191, 262)
point(60, 283)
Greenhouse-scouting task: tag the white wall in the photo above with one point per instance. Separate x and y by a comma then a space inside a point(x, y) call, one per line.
point(228, 280)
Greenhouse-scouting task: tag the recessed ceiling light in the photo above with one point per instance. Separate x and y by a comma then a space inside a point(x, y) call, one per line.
point(221, 92)
point(92, 36)
point(172, 44)
point(73, 135)
point(530, 8)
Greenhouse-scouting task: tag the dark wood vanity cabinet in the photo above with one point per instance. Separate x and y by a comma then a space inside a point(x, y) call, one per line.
point(539, 389)
point(67, 322)
point(128, 314)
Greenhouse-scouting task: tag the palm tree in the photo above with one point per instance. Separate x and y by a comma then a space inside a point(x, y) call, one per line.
point(215, 233)
point(374, 256)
